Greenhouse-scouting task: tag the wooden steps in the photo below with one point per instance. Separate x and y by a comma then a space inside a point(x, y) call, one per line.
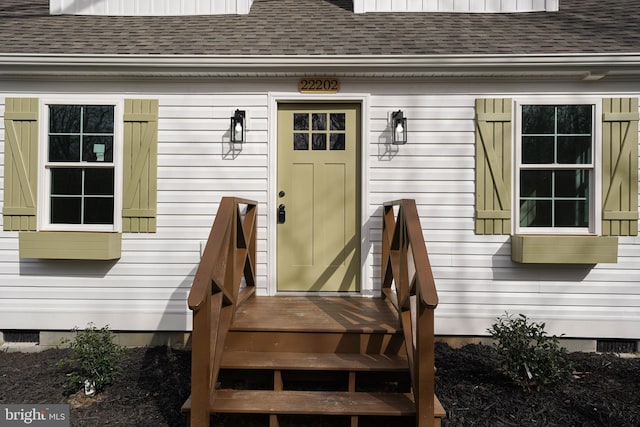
point(299, 356)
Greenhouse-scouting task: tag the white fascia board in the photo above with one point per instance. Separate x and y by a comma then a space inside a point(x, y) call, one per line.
point(352, 65)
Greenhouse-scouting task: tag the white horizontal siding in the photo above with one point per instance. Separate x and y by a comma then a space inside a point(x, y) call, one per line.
point(149, 7)
point(475, 277)
point(147, 288)
point(477, 281)
point(459, 6)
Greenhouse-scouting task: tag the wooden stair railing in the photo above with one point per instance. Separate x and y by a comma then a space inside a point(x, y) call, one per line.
point(405, 264)
point(229, 255)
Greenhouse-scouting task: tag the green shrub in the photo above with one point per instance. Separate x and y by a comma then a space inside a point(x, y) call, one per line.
point(532, 359)
point(95, 361)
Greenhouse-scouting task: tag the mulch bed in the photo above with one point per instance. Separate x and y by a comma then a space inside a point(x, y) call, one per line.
point(605, 392)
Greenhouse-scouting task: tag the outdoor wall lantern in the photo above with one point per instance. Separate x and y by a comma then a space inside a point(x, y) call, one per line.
point(399, 127)
point(238, 127)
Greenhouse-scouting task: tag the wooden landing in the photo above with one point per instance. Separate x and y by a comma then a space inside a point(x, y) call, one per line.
point(317, 314)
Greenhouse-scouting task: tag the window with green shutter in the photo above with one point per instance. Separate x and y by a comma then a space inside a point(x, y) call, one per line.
point(90, 151)
point(560, 149)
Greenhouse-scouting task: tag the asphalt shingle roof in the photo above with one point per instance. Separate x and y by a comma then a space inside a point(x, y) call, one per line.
point(325, 27)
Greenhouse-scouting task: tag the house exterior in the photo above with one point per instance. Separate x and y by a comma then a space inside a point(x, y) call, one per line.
point(521, 152)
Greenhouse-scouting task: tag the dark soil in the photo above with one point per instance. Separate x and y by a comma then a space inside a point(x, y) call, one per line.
point(469, 383)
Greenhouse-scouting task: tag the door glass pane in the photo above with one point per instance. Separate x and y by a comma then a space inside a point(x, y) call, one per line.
point(300, 121)
point(319, 141)
point(338, 121)
point(319, 121)
point(337, 141)
point(300, 141)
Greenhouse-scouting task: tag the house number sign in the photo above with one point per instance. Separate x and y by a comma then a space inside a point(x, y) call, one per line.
point(318, 85)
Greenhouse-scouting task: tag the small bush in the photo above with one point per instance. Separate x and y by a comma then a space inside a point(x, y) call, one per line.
point(95, 361)
point(532, 359)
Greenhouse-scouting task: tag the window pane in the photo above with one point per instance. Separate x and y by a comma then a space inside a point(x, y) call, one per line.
point(572, 213)
point(64, 118)
point(537, 150)
point(337, 121)
point(66, 181)
point(97, 149)
point(300, 121)
point(574, 119)
point(65, 210)
point(572, 183)
point(98, 119)
point(64, 148)
point(337, 141)
point(319, 121)
point(319, 141)
point(535, 183)
point(98, 210)
point(574, 150)
point(535, 213)
point(538, 119)
point(300, 141)
point(98, 182)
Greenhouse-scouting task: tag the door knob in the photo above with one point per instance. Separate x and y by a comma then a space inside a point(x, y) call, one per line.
point(282, 214)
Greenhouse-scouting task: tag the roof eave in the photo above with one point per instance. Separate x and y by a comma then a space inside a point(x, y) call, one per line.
point(587, 66)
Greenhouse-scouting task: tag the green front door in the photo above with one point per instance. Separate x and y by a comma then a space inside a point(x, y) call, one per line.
point(318, 197)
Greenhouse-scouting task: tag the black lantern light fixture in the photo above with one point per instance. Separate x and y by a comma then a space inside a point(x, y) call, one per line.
point(238, 127)
point(398, 128)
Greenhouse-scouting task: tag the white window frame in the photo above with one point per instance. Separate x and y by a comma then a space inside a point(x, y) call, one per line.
point(44, 175)
point(595, 179)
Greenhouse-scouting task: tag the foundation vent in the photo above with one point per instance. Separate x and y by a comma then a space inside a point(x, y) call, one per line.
point(21, 337)
point(617, 346)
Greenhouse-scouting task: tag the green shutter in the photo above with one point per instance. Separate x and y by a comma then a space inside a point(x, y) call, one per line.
point(20, 164)
point(493, 166)
point(140, 166)
point(620, 166)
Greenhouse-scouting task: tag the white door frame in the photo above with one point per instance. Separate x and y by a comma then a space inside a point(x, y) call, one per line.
point(366, 285)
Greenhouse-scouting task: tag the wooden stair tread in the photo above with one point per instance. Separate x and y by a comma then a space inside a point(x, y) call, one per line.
point(224, 396)
point(313, 361)
point(312, 402)
point(317, 314)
